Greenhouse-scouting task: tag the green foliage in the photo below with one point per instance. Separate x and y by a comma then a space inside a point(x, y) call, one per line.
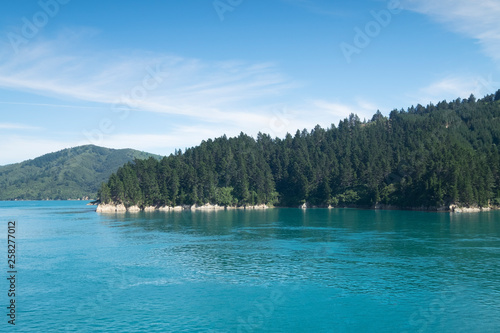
point(224, 196)
point(104, 193)
point(67, 174)
point(422, 157)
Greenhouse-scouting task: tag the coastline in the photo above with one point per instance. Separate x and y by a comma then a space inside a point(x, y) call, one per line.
point(70, 199)
point(121, 208)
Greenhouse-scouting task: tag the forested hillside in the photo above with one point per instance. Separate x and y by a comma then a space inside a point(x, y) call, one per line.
point(67, 174)
point(420, 157)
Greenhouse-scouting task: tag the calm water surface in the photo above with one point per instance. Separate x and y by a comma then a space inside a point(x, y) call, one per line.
point(279, 270)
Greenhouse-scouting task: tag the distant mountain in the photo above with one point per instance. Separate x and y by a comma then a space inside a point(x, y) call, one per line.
point(72, 173)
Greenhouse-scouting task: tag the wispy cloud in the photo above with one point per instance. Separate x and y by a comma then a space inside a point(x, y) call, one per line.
point(162, 144)
point(452, 87)
point(474, 19)
point(72, 106)
point(11, 126)
point(276, 120)
point(144, 81)
point(340, 111)
point(16, 148)
point(203, 99)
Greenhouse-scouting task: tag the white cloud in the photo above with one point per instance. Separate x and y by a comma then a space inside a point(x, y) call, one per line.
point(474, 19)
point(478, 20)
point(205, 99)
point(162, 144)
point(52, 105)
point(455, 86)
point(452, 87)
point(207, 91)
point(17, 148)
point(12, 126)
point(276, 120)
point(340, 111)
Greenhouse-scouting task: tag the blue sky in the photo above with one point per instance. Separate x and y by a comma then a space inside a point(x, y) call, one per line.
point(159, 75)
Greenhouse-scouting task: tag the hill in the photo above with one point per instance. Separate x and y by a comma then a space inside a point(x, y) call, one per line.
point(67, 174)
point(423, 157)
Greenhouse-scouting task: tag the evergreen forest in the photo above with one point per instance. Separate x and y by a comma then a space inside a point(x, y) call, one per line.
point(423, 157)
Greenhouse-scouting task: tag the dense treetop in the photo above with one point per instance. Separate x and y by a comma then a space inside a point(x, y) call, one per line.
point(420, 157)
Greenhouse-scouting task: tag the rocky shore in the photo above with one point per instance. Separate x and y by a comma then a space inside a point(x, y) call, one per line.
point(450, 208)
point(456, 209)
point(120, 208)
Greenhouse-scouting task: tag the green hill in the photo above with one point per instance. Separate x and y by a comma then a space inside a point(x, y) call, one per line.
point(67, 174)
point(423, 157)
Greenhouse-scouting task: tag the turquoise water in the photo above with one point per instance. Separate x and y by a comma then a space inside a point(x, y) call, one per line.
point(279, 270)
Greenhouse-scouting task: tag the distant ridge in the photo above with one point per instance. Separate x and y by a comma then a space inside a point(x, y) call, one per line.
point(73, 173)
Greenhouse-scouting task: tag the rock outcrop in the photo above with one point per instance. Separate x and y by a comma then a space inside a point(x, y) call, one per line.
point(120, 208)
point(456, 209)
point(133, 209)
point(112, 208)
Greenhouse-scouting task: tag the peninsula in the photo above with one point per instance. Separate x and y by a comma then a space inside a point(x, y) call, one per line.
point(437, 157)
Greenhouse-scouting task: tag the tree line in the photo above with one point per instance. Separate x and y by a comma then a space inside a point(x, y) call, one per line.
point(428, 156)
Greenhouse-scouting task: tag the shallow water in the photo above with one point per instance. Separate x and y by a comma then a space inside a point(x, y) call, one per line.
point(278, 270)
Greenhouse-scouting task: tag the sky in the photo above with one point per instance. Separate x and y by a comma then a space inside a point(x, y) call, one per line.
point(163, 75)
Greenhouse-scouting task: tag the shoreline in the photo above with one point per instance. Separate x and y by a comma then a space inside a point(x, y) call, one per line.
point(121, 208)
point(80, 199)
